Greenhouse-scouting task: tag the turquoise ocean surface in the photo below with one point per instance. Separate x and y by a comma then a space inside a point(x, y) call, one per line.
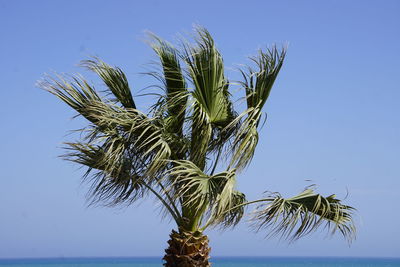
point(216, 262)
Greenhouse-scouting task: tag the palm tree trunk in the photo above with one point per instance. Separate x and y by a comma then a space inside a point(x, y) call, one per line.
point(187, 249)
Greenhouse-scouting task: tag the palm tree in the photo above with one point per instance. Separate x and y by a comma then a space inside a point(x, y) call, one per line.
point(188, 149)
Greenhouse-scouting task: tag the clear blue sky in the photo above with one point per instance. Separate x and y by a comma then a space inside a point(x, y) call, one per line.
point(333, 119)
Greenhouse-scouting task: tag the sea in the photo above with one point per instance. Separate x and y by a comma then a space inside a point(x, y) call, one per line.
point(216, 262)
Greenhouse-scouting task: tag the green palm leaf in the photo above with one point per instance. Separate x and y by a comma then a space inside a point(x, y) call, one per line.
point(228, 210)
point(118, 140)
point(115, 80)
point(210, 195)
point(295, 217)
point(257, 84)
point(211, 104)
point(108, 185)
point(206, 70)
point(176, 93)
point(75, 92)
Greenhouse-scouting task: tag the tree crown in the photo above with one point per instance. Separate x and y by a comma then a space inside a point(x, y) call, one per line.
point(192, 130)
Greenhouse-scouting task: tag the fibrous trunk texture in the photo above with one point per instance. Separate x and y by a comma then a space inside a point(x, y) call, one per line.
point(187, 249)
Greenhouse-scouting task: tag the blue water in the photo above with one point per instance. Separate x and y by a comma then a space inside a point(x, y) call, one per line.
point(216, 262)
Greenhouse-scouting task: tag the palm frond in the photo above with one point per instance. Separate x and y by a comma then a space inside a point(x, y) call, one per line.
point(200, 137)
point(212, 194)
point(303, 214)
point(74, 91)
point(257, 84)
point(246, 138)
point(112, 178)
point(118, 180)
point(141, 133)
point(206, 70)
point(228, 210)
point(176, 93)
point(115, 80)
point(119, 139)
point(222, 135)
point(211, 107)
point(188, 182)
